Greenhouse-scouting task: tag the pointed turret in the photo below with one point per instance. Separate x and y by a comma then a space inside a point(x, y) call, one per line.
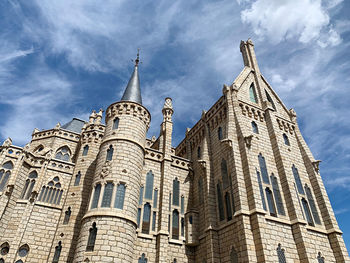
point(133, 91)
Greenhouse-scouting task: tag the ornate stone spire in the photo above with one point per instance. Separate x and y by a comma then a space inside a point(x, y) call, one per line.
point(133, 91)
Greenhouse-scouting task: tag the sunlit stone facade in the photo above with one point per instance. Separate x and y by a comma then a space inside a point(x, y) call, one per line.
point(242, 186)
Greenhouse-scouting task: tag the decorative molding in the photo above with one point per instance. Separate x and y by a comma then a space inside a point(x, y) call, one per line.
point(203, 164)
point(9, 190)
point(248, 140)
point(227, 142)
point(106, 169)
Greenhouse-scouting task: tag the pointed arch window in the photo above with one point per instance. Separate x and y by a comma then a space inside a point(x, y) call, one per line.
point(200, 190)
point(5, 174)
point(261, 191)
point(52, 192)
point(182, 204)
point(270, 202)
point(92, 237)
point(29, 185)
point(154, 221)
point(77, 179)
point(228, 206)
point(85, 150)
point(233, 256)
point(252, 94)
point(142, 259)
point(149, 185)
point(277, 194)
point(110, 151)
point(57, 254)
point(155, 199)
point(224, 174)
point(307, 212)
point(141, 195)
point(4, 249)
point(146, 218)
point(220, 203)
point(255, 128)
point(96, 196)
point(280, 254)
point(175, 228)
point(220, 133)
point(297, 180)
point(107, 195)
point(263, 169)
point(312, 205)
point(115, 123)
point(23, 251)
point(138, 217)
point(176, 191)
point(286, 140)
point(63, 154)
point(120, 195)
point(67, 216)
point(320, 259)
point(270, 100)
point(199, 154)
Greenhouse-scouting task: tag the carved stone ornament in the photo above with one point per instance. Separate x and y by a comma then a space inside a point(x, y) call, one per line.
point(227, 142)
point(248, 140)
point(202, 163)
point(33, 195)
point(316, 165)
point(106, 168)
point(9, 190)
point(7, 142)
point(293, 115)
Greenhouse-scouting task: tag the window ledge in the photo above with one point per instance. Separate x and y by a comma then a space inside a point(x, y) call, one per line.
point(176, 241)
point(59, 207)
point(22, 201)
point(146, 236)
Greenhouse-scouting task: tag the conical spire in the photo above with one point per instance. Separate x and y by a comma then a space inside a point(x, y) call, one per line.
point(133, 91)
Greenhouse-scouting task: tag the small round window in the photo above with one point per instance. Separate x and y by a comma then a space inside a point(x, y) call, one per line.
point(23, 251)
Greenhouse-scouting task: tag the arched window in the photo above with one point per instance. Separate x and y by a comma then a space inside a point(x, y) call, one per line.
point(261, 191)
point(2, 260)
point(57, 254)
point(220, 203)
point(51, 193)
point(200, 190)
point(63, 154)
point(39, 149)
point(199, 154)
point(312, 205)
point(263, 169)
point(85, 150)
point(149, 185)
point(175, 228)
point(115, 123)
point(109, 153)
point(220, 133)
point(286, 140)
point(233, 256)
point(228, 206)
point(119, 198)
point(92, 237)
point(280, 254)
point(224, 174)
point(182, 227)
point(67, 216)
point(155, 199)
point(4, 249)
point(77, 179)
point(174, 261)
point(19, 261)
point(255, 127)
point(252, 94)
point(176, 191)
point(182, 204)
point(142, 259)
point(270, 202)
point(141, 195)
point(154, 221)
point(270, 100)
point(96, 196)
point(29, 185)
point(138, 217)
point(107, 195)
point(320, 259)
point(307, 212)
point(5, 174)
point(146, 218)
point(277, 194)
point(297, 180)
point(23, 251)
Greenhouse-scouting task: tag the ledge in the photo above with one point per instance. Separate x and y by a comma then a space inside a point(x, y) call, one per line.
point(109, 212)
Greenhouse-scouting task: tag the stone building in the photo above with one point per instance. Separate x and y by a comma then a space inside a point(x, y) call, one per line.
point(242, 186)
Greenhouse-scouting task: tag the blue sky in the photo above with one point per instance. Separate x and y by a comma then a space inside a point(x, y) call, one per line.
point(61, 59)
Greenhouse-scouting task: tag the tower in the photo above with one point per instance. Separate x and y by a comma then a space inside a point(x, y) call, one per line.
point(108, 231)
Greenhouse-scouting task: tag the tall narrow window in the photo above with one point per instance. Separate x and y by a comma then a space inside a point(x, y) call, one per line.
point(312, 205)
point(220, 203)
point(199, 154)
point(138, 217)
point(77, 179)
point(154, 221)
point(200, 190)
point(141, 195)
point(149, 185)
point(270, 100)
point(224, 174)
point(52, 193)
point(85, 150)
point(263, 169)
point(107, 195)
point(220, 133)
point(182, 227)
point(115, 123)
point(176, 191)
point(320, 259)
point(109, 153)
point(119, 199)
point(255, 127)
point(277, 194)
point(307, 212)
point(146, 218)
point(280, 254)
point(29, 185)
point(228, 206)
point(270, 202)
point(175, 229)
point(57, 254)
point(297, 180)
point(182, 205)
point(92, 237)
point(67, 216)
point(252, 94)
point(233, 256)
point(286, 140)
point(155, 198)
point(261, 191)
point(5, 174)
point(142, 259)
point(96, 196)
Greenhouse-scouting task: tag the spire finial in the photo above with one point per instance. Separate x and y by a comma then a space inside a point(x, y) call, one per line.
point(137, 60)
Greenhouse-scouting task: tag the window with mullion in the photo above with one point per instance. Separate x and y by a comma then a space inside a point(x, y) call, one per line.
point(312, 205)
point(277, 194)
point(263, 169)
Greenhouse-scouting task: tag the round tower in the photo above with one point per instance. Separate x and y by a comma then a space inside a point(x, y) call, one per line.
point(108, 230)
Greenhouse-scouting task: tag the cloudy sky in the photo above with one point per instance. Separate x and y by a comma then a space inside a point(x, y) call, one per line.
point(61, 59)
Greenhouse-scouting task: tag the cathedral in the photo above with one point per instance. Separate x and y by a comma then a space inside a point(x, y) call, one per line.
point(242, 186)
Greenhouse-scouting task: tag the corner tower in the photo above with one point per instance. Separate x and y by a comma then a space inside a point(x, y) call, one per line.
point(108, 232)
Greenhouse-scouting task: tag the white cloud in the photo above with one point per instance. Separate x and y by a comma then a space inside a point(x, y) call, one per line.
point(305, 20)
